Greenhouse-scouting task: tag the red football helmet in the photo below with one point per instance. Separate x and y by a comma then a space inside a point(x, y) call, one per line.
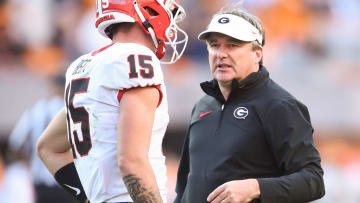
point(159, 23)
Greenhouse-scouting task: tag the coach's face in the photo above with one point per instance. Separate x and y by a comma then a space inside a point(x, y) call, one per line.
point(231, 59)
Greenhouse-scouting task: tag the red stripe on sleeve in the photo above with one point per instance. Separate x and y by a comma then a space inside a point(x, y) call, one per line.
point(158, 87)
point(120, 94)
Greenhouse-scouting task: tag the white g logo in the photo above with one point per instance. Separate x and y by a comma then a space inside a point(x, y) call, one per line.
point(241, 113)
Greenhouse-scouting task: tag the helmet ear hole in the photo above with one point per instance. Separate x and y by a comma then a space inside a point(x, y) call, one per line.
point(151, 11)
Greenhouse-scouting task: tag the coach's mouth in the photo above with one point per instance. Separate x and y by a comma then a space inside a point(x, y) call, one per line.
point(222, 66)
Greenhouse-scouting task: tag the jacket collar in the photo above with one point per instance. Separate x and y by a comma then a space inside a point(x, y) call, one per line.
point(211, 87)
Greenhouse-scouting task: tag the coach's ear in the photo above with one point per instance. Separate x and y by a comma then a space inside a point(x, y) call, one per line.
point(258, 54)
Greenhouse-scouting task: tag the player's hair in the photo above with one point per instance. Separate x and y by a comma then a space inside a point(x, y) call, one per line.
point(115, 28)
point(111, 30)
point(236, 9)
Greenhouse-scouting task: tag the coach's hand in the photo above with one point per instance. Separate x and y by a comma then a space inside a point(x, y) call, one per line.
point(237, 191)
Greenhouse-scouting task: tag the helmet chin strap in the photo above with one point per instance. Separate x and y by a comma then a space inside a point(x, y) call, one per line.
point(159, 47)
point(160, 51)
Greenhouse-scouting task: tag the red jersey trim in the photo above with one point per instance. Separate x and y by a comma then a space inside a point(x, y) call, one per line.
point(158, 87)
point(120, 94)
point(102, 49)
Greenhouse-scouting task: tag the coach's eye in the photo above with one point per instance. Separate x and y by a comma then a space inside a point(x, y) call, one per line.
point(214, 45)
point(233, 45)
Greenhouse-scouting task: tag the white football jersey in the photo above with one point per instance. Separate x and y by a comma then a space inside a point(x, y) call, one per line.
point(94, 86)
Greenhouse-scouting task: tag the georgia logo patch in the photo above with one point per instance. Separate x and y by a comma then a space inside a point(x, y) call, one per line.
point(241, 113)
point(223, 20)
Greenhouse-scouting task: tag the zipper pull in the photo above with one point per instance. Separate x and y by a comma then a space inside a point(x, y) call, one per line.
point(222, 107)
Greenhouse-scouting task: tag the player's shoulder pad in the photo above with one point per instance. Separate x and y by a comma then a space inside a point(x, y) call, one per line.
point(74, 64)
point(119, 50)
point(127, 65)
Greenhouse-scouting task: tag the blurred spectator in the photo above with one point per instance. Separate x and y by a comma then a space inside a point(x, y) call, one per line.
point(92, 40)
point(342, 165)
point(15, 178)
point(30, 22)
point(25, 135)
point(8, 48)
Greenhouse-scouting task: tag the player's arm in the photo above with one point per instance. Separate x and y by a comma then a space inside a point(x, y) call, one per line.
point(53, 148)
point(136, 118)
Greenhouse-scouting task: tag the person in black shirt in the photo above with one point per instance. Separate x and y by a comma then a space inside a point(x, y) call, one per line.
point(249, 140)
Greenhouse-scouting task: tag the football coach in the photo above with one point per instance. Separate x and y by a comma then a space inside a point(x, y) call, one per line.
point(249, 139)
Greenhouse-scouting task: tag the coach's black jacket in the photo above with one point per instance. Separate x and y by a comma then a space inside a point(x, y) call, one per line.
point(260, 132)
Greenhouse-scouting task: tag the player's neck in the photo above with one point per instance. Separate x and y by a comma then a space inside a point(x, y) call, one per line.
point(134, 35)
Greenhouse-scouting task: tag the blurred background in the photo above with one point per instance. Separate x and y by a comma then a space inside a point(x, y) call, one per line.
point(312, 49)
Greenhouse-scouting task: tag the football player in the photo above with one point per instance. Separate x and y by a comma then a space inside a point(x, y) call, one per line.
point(105, 145)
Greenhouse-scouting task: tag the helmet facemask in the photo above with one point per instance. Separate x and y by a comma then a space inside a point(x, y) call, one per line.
point(172, 34)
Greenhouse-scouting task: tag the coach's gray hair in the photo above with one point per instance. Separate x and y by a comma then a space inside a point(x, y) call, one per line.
point(236, 9)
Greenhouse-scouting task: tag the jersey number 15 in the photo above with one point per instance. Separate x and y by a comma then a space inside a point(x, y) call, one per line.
point(78, 115)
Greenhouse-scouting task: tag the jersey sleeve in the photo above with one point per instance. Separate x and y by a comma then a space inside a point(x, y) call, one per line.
point(122, 70)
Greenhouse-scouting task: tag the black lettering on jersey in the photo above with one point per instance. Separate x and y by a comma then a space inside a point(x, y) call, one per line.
point(81, 67)
point(133, 73)
point(146, 69)
point(78, 115)
point(68, 120)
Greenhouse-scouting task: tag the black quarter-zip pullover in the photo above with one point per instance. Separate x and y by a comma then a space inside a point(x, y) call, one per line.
point(261, 132)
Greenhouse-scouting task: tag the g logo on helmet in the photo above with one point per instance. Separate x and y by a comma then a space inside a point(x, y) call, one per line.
point(241, 113)
point(224, 20)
